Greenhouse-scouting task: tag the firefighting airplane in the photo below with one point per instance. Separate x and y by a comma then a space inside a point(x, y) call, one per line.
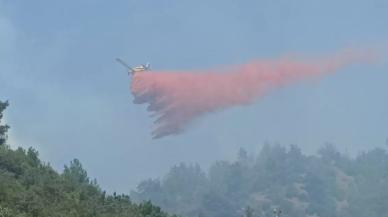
point(139, 68)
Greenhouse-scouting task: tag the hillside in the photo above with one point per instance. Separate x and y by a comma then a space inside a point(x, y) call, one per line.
point(329, 184)
point(31, 188)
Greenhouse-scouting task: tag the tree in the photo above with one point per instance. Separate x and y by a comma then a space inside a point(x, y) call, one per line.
point(242, 153)
point(77, 170)
point(329, 154)
point(248, 212)
point(3, 128)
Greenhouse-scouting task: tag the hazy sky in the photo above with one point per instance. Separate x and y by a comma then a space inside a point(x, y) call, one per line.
point(69, 98)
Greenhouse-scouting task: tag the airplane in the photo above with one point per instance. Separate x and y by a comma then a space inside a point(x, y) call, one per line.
point(139, 68)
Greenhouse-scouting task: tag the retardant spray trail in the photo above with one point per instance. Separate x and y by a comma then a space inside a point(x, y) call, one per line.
point(178, 97)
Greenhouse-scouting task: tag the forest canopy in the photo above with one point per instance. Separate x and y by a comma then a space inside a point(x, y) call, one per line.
point(327, 184)
point(32, 188)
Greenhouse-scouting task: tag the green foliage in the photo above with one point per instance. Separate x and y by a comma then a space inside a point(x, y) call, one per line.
point(31, 188)
point(182, 187)
point(330, 184)
point(3, 128)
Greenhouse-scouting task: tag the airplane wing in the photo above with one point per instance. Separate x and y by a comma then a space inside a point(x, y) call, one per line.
point(123, 63)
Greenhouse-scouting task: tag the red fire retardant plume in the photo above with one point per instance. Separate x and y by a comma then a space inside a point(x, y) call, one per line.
point(176, 98)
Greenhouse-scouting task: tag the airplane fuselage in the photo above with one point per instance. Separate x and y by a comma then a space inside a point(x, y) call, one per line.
point(136, 69)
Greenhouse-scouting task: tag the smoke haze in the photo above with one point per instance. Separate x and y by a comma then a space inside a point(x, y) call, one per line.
point(176, 98)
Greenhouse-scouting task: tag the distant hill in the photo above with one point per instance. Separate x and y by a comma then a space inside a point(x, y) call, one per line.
point(330, 184)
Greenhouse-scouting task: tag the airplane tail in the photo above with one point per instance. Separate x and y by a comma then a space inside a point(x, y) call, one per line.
point(148, 65)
